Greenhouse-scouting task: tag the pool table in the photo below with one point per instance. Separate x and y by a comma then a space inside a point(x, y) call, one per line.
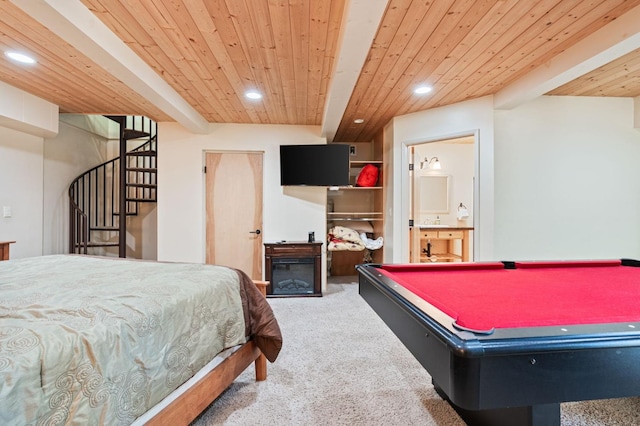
point(506, 342)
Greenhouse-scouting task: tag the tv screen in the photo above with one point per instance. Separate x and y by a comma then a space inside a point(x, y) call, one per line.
point(314, 165)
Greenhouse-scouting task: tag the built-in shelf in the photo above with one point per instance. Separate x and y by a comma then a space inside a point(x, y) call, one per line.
point(357, 207)
point(340, 188)
point(362, 216)
point(358, 163)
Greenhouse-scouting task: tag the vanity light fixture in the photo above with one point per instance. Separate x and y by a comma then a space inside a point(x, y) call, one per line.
point(20, 57)
point(434, 163)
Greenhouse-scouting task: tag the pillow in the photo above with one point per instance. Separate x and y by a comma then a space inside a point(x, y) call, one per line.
point(368, 176)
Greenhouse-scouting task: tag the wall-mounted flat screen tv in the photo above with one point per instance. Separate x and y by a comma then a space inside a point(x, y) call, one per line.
point(314, 165)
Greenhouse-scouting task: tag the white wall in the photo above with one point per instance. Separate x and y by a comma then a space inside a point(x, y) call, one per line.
point(567, 179)
point(27, 113)
point(567, 183)
point(73, 151)
point(288, 213)
point(473, 117)
point(35, 174)
point(21, 189)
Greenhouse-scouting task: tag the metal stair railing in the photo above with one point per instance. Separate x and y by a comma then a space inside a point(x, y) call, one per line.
point(95, 196)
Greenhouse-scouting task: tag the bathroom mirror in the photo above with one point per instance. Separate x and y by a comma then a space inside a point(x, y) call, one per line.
point(434, 194)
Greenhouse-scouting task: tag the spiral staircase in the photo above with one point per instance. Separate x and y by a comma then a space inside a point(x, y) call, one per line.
point(97, 221)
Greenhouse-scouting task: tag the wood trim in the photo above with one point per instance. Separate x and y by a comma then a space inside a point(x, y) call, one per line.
point(184, 409)
point(261, 362)
point(4, 249)
point(189, 405)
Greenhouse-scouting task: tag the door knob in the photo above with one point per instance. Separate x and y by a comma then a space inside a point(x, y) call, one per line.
point(257, 232)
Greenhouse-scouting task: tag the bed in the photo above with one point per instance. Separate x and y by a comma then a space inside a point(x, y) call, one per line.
point(90, 340)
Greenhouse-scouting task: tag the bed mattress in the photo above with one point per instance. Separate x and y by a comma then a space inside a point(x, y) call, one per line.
point(100, 340)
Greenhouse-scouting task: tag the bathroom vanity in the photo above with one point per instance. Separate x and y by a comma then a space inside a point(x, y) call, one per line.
point(440, 243)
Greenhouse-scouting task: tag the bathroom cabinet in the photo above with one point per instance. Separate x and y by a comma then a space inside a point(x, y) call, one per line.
point(440, 243)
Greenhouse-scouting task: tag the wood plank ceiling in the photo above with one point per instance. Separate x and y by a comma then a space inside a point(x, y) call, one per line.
point(619, 78)
point(464, 50)
point(211, 51)
point(63, 76)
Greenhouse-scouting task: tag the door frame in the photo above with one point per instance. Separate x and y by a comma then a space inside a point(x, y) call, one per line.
point(405, 188)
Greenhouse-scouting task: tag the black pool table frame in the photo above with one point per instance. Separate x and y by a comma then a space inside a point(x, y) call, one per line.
point(513, 376)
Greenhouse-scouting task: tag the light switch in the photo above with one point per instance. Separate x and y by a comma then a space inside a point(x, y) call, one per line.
point(6, 211)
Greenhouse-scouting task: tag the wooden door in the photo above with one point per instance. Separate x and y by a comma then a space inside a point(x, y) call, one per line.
point(234, 210)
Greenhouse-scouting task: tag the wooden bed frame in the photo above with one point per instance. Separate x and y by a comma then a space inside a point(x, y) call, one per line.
point(185, 408)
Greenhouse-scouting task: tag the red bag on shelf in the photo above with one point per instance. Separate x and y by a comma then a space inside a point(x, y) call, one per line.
point(368, 176)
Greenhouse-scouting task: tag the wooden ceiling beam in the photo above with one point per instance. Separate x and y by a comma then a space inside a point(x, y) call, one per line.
point(448, 27)
point(551, 34)
point(360, 23)
point(605, 79)
point(51, 73)
point(158, 38)
point(73, 22)
point(401, 36)
point(616, 39)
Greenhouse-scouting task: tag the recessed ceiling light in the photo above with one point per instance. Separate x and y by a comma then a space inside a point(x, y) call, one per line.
point(421, 90)
point(358, 120)
point(252, 94)
point(20, 57)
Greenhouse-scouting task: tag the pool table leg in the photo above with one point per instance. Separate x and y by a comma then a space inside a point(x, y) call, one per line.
point(533, 415)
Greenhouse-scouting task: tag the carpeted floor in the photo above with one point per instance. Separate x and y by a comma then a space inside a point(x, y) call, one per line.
point(341, 365)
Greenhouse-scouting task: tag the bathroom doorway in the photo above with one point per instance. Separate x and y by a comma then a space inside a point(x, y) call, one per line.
point(441, 199)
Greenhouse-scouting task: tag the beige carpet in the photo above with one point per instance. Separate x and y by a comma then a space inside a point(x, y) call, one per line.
point(341, 365)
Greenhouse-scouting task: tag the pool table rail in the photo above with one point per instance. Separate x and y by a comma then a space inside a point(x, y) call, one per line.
point(523, 372)
point(498, 340)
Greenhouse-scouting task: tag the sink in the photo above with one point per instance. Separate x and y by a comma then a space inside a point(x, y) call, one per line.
point(434, 226)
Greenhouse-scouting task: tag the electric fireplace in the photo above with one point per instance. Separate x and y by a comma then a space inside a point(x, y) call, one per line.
point(293, 269)
point(292, 276)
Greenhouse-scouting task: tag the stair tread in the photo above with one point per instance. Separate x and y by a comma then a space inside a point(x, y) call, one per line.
point(142, 169)
point(143, 185)
point(147, 153)
point(94, 244)
point(135, 134)
point(116, 118)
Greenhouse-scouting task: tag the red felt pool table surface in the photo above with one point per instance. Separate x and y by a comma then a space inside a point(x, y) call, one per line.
point(485, 296)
